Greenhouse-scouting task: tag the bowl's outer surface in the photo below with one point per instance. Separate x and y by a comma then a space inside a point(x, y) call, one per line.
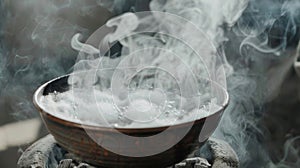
point(74, 138)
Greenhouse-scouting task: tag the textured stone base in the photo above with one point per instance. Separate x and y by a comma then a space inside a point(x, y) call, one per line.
point(45, 153)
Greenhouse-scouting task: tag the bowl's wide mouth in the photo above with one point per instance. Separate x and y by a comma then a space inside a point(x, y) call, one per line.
point(60, 84)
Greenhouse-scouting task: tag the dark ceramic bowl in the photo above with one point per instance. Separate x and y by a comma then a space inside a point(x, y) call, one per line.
point(74, 137)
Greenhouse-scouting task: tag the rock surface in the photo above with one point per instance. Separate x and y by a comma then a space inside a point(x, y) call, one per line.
point(45, 153)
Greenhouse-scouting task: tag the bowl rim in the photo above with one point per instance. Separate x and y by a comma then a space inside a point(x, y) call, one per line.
point(66, 122)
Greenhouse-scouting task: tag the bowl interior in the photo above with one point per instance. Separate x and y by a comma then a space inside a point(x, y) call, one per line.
point(82, 140)
point(60, 84)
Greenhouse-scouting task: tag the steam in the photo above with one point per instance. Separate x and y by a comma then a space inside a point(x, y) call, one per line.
point(35, 46)
point(267, 36)
point(35, 37)
point(266, 32)
point(160, 49)
point(208, 16)
point(272, 29)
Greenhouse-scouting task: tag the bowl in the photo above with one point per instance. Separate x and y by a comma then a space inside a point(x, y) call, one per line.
point(76, 138)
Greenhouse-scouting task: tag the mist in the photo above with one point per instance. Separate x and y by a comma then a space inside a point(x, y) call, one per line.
point(35, 46)
point(267, 35)
point(257, 37)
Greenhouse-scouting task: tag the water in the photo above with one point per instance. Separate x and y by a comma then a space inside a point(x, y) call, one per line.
point(141, 109)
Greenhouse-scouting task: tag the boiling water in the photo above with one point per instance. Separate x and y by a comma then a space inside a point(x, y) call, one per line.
point(141, 109)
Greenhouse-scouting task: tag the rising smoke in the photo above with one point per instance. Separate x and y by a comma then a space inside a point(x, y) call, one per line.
point(267, 36)
point(35, 47)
